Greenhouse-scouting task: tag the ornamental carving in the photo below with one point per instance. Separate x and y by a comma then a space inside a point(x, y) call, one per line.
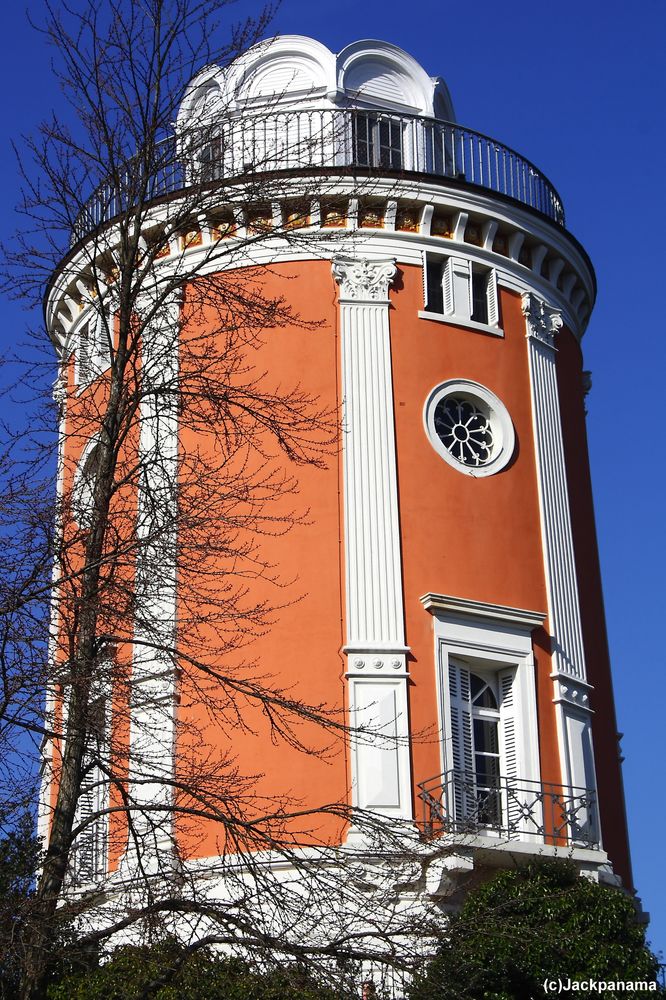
point(574, 694)
point(364, 280)
point(59, 390)
point(543, 322)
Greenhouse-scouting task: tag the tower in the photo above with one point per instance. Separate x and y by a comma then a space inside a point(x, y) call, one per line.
point(447, 577)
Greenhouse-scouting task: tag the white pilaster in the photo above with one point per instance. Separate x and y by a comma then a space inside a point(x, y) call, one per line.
point(568, 657)
point(375, 642)
point(152, 727)
point(50, 698)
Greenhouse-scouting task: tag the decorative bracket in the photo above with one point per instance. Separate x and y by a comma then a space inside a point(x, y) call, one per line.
point(572, 691)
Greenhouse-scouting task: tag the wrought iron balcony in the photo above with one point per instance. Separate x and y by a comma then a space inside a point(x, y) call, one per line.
point(321, 140)
point(467, 803)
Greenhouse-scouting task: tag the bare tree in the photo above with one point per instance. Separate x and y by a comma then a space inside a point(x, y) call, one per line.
point(166, 352)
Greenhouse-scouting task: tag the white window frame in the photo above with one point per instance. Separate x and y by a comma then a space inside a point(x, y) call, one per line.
point(457, 293)
point(375, 118)
point(497, 639)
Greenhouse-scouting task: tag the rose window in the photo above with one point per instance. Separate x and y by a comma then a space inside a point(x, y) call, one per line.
point(465, 430)
point(469, 427)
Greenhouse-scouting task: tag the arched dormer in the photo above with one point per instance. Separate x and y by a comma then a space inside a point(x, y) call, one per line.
point(379, 74)
point(294, 70)
point(278, 72)
point(282, 69)
point(203, 97)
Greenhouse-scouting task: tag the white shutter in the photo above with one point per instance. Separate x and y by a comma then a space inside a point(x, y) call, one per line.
point(511, 798)
point(493, 301)
point(447, 287)
point(461, 786)
point(100, 350)
point(459, 272)
point(84, 354)
point(85, 844)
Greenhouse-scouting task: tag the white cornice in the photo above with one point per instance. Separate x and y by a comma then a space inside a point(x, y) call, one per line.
point(405, 246)
point(444, 605)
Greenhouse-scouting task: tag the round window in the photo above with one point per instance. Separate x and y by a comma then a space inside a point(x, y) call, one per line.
point(469, 427)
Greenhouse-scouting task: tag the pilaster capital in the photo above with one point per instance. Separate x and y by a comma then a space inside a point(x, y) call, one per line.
point(542, 321)
point(59, 388)
point(364, 280)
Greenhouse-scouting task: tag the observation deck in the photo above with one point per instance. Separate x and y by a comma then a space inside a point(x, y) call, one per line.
point(326, 141)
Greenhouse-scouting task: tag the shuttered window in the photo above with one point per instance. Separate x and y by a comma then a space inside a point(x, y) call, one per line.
point(466, 292)
point(483, 746)
point(89, 854)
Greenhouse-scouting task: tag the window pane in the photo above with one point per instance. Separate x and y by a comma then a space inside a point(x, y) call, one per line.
point(361, 137)
point(480, 296)
point(476, 685)
point(487, 771)
point(486, 736)
point(434, 286)
point(486, 698)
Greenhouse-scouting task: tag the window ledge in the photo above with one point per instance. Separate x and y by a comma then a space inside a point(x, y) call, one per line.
point(469, 324)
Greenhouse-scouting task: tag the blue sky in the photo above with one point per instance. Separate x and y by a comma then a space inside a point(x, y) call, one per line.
point(578, 88)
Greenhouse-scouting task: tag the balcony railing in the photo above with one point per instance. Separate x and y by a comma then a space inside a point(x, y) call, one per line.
point(325, 139)
point(466, 803)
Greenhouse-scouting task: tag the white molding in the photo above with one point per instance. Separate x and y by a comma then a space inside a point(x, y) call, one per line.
point(572, 692)
point(488, 232)
point(375, 638)
point(403, 245)
point(543, 321)
point(520, 852)
point(380, 743)
point(516, 241)
point(377, 663)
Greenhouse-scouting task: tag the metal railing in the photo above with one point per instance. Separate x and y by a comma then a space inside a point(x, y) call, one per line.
point(465, 802)
point(324, 139)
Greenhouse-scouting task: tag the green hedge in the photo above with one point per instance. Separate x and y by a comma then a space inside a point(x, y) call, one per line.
point(530, 924)
point(133, 974)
